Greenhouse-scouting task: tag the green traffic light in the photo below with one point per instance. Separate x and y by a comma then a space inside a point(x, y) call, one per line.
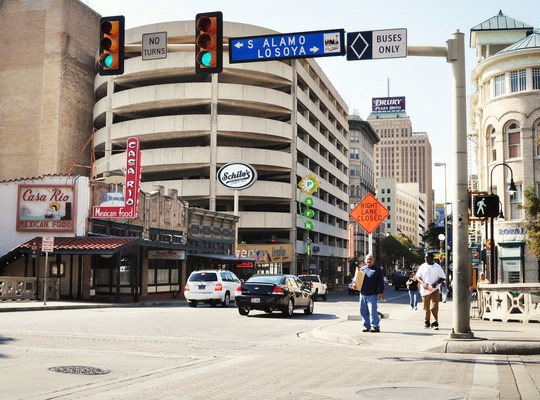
point(206, 59)
point(108, 61)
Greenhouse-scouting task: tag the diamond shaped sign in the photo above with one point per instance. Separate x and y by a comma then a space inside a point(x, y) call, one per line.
point(369, 213)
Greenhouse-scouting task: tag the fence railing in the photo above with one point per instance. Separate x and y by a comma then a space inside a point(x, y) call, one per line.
point(26, 288)
point(509, 302)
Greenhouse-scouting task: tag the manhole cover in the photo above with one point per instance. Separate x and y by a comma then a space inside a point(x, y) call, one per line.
point(80, 370)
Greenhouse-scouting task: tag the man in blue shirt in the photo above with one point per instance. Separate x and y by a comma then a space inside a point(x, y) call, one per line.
point(372, 288)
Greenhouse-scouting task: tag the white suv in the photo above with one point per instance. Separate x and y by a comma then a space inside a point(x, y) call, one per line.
point(212, 287)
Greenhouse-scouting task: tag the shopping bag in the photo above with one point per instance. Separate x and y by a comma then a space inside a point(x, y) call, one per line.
point(359, 279)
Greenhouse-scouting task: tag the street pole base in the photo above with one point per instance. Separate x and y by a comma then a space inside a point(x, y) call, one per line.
point(461, 335)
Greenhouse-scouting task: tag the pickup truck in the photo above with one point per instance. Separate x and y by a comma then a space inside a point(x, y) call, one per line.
point(318, 287)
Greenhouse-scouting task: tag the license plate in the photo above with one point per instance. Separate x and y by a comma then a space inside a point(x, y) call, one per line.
point(202, 287)
point(255, 300)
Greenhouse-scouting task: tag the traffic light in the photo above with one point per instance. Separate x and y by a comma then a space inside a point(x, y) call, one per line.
point(486, 205)
point(111, 45)
point(209, 42)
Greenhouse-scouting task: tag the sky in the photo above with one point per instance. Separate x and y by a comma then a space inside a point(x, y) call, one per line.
point(426, 82)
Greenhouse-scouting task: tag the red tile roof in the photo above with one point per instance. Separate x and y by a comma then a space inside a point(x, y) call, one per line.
point(82, 243)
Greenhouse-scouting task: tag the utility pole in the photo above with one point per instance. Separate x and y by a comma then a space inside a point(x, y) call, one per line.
point(455, 54)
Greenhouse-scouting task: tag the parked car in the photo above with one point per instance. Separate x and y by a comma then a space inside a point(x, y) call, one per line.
point(400, 281)
point(350, 289)
point(318, 287)
point(212, 287)
point(269, 293)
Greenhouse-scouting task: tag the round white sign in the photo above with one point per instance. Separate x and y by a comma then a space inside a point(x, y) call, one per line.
point(237, 176)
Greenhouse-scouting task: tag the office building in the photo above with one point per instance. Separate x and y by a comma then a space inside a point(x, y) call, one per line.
point(505, 123)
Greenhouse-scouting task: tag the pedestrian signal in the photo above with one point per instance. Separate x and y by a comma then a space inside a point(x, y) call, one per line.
point(486, 206)
point(111, 45)
point(209, 42)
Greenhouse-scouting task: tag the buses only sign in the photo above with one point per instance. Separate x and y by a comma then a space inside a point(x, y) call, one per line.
point(369, 213)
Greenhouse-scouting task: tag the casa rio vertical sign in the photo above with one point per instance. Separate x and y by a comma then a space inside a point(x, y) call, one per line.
point(130, 204)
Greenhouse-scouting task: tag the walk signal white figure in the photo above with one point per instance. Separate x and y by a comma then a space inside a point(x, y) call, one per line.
point(480, 207)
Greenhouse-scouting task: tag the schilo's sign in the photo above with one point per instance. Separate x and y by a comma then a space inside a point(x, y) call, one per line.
point(237, 176)
point(388, 104)
point(128, 206)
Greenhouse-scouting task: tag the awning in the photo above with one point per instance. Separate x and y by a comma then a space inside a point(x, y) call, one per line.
point(84, 245)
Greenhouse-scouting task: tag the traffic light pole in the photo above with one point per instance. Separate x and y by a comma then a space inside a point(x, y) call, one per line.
point(455, 54)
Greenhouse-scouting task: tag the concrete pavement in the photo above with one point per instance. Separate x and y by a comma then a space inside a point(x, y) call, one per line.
point(401, 328)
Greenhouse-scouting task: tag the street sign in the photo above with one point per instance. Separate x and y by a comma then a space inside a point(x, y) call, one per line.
point(287, 46)
point(154, 45)
point(369, 213)
point(367, 45)
point(47, 244)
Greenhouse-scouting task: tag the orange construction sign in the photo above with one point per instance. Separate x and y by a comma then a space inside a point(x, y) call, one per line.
point(369, 213)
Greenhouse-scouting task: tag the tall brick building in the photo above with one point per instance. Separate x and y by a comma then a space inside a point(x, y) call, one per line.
point(46, 85)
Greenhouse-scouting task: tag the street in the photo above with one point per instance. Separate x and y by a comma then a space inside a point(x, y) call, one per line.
point(177, 352)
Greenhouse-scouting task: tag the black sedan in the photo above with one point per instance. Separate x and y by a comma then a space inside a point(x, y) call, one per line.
point(275, 293)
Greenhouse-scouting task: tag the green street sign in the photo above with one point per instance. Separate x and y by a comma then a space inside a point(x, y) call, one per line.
point(309, 213)
point(309, 225)
point(308, 201)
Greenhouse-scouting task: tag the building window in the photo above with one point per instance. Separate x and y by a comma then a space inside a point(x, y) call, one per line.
point(536, 78)
point(537, 139)
point(499, 85)
point(515, 204)
point(492, 144)
point(518, 81)
point(513, 135)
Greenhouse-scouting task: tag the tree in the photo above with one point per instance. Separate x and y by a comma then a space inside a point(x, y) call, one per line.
point(532, 220)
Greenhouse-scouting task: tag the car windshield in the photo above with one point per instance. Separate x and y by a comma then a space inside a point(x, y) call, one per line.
point(203, 276)
point(276, 280)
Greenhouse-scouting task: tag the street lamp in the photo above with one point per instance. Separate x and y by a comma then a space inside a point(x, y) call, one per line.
point(441, 164)
point(511, 189)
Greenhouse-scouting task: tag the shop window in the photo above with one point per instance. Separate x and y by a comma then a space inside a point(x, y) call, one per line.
point(513, 135)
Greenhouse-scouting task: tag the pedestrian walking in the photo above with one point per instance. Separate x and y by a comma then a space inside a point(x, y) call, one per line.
point(430, 275)
point(412, 287)
point(372, 289)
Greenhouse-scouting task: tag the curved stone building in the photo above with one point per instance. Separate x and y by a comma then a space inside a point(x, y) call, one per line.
point(505, 121)
point(284, 118)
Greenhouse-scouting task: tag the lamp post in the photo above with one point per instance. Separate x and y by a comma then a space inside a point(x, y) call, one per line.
point(511, 189)
point(441, 164)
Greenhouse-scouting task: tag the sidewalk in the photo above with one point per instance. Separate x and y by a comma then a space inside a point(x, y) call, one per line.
point(403, 329)
point(37, 305)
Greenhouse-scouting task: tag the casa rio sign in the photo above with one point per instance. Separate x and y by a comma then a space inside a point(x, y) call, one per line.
point(237, 176)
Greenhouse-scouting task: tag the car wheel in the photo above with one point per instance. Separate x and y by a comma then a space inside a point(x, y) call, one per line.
point(324, 296)
point(315, 294)
point(192, 303)
point(287, 312)
point(309, 309)
point(227, 300)
point(243, 311)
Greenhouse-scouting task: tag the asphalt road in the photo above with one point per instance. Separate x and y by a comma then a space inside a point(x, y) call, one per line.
point(177, 352)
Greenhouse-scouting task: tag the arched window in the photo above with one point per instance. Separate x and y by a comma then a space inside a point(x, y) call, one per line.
point(513, 136)
point(537, 139)
point(492, 150)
